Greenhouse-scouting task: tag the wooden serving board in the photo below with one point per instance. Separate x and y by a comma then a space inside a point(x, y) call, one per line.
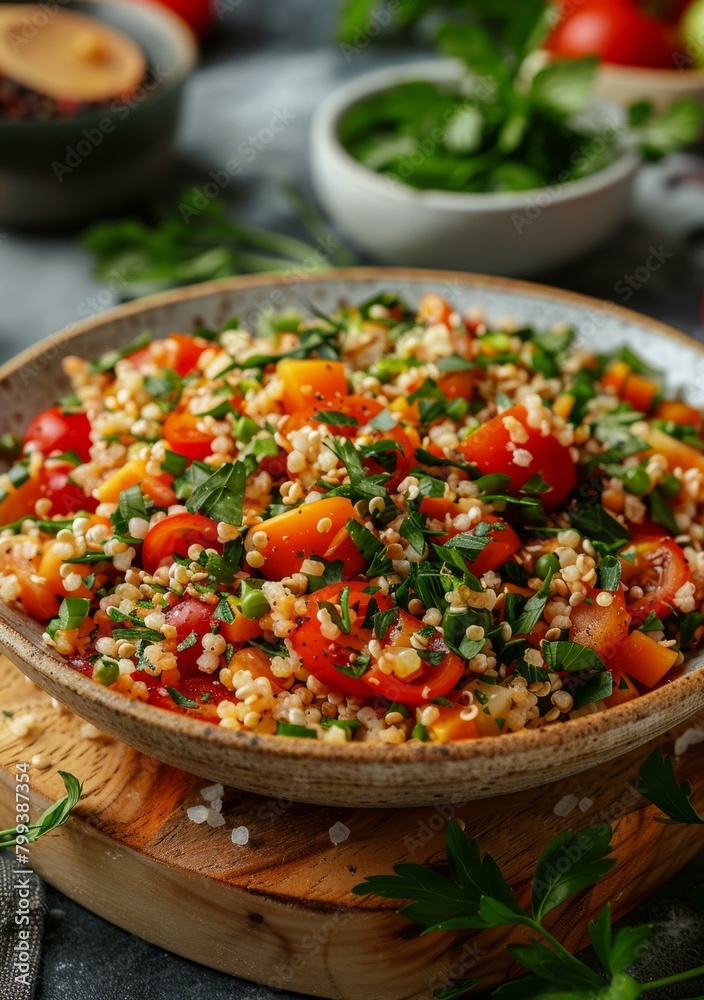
point(279, 911)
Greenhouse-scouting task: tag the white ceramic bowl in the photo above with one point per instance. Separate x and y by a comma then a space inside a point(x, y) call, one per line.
point(504, 233)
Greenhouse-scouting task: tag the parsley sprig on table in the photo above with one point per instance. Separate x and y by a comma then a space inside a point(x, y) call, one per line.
point(192, 243)
point(53, 817)
point(477, 896)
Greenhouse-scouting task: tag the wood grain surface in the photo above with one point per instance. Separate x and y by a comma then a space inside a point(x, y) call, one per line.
point(279, 910)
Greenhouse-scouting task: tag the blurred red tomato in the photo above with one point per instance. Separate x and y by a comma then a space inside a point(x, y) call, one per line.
point(618, 31)
point(197, 14)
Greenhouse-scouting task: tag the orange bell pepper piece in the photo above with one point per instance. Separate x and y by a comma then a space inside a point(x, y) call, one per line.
point(645, 659)
point(305, 379)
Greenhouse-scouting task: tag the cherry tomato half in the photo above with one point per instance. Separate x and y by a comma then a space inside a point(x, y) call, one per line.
point(178, 351)
point(660, 569)
point(490, 448)
point(53, 482)
point(174, 536)
point(181, 431)
point(428, 681)
point(503, 539)
point(193, 616)
point(604, 629)
point(329, 659)
point(56, 430)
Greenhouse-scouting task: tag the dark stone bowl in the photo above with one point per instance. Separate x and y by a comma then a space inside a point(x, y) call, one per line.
point(68, 171)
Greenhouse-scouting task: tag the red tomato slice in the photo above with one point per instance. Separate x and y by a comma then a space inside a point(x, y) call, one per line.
point(602, 629)
point(323, 657)
point(52, 483)
point(504, 540)
point(428, 682)
point(660, 569)
point(174, 536)
point(178, 351)
point(55, 430)
point(491, 450)
point(190, 615)
point(181, 431)
point(66, 497)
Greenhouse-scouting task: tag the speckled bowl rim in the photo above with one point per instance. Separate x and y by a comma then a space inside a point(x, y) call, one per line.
point(688, 687)
point(324, 132)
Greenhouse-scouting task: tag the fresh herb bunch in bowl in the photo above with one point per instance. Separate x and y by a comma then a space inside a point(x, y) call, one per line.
point(498, 161)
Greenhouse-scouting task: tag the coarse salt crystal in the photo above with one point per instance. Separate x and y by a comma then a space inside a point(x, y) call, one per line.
point(566, 804)
point(211, 792)
point(339, 833)
point(214, 818)
point(585, 804)
point(197, 814)
point(216, 804)
point(240, 835)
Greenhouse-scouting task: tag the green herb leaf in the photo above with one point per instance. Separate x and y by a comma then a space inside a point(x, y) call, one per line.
point(592, 689)
point(332, 573)
point(657, 783)
point(661, 512)
point(563, 655)
point(618, 953)
point(107, 362)
point(595, 523)
point(180, 699)
point(570, 863)
point(533, 609)
point(373, 551)
point(335, 419)
point(221, 496)
point(608, 573)
point(52, 818)
point(688, 626)
point(173, 464)
point(564, 87)
point(72, 613)
point(131, 504)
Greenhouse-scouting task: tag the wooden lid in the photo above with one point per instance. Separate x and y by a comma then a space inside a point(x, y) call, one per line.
point(67, 56)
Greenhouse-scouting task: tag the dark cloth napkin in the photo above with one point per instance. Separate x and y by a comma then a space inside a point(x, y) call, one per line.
point(22, 909)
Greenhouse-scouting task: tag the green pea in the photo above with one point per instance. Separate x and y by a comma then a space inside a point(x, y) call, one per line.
point(253, 603)
point(105, 672)
point(670, 486)
point(636, 480)
point(547, 563)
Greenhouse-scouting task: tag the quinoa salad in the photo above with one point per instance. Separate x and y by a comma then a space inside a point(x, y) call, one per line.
point(389, 525)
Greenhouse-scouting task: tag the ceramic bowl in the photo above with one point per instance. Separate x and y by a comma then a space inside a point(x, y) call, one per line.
point(627, 84)
point(354, 774)
point(504, 233)
point(65, 172)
